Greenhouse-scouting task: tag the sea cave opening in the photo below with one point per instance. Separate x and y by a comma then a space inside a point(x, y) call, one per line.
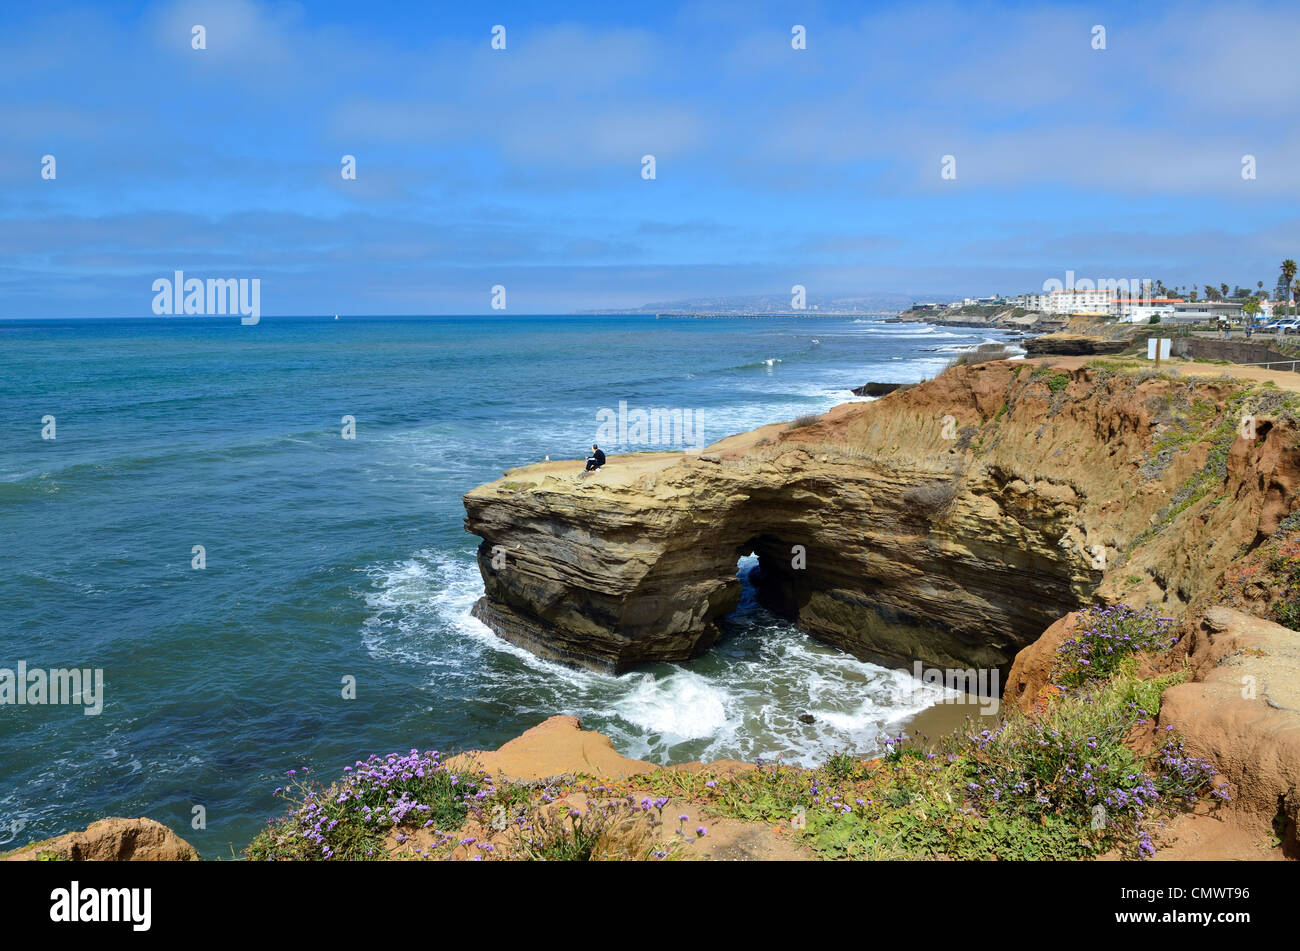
point(769, 592)
point(772, 570)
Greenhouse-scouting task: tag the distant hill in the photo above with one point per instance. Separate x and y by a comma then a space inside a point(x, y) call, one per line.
point(772, 304)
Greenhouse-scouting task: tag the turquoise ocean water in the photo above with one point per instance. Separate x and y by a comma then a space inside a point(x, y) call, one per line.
point(328, 557)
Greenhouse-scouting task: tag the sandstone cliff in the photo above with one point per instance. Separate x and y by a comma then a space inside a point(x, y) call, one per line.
point(951, 522)
point(110, 840)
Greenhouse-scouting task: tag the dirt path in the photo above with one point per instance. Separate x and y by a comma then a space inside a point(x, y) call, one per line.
point(1283, 379)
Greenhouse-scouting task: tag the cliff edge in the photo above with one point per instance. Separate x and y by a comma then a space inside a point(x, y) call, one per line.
point(951, 522)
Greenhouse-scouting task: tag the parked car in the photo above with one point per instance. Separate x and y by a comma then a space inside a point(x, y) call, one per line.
point(1291, 326)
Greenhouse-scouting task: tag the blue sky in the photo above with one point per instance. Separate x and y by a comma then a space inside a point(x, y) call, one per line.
point(522, 167)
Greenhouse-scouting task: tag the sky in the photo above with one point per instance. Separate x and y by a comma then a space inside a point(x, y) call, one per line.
point(523, 167)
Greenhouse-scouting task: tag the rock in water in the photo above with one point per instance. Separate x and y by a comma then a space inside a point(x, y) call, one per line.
point(878, 389)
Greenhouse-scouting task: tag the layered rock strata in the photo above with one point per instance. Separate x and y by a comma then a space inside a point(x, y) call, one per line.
point(950, 522)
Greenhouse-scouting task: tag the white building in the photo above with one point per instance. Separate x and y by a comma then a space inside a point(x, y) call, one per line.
point(1202, 310)
point(1071, 301)
point(1140, 310)
point(1100, 302)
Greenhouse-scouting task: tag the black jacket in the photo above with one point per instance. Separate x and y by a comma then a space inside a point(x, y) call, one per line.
point(599, 457)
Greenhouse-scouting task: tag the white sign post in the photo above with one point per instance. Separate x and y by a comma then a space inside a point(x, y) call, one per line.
point(1158, 350)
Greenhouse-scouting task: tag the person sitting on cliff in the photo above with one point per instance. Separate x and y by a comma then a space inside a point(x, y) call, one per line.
point(596, 459)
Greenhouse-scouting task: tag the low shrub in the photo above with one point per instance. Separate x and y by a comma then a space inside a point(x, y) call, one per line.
point(1063, 785)
point(350, 819)
point(609, 831)
point(1104, 637)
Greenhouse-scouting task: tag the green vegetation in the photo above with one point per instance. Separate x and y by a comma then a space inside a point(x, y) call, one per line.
point(609, 831)
point(41, 854)
point(1212, 473)
point(417, 806)
point(1189, 429)
point(1055, 381)
point(1198, 485)
point(1105, 637)
point(1184, 424)
point(1285, 567)
point(1288, 271)
point(352, 818)
point(1063, 784)
point(1123, 363)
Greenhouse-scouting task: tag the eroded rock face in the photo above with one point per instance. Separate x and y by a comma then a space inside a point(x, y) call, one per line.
point(1074, 345)
point(1242, 712)
point(951, 522)
point(1029, 684)
point(112, 840)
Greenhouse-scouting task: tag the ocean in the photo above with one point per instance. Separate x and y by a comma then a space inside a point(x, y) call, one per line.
point(327, 558)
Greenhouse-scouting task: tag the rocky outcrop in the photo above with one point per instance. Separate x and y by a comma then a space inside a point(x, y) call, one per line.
point(569, 761)
point(111, 840)
point(1234, 351)
point(950, 523)
point(1029, 684)
point(555, 747)
point(878, 389)
point(1241, 711)
point(989, 318)
point(1073, 345)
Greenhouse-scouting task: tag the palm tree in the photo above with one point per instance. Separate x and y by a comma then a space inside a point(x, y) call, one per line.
point(1288, 272)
